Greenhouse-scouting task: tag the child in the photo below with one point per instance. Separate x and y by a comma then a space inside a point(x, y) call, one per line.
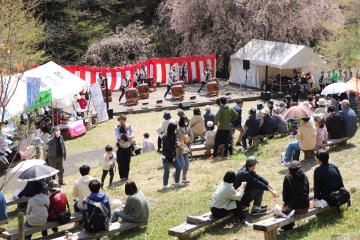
point(108, 165)
point(210, 134)
point(182, 160)
point(124, 157)
point(148, 145)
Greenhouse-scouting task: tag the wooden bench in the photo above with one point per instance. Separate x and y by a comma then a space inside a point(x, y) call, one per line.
point(14, 233)
point(199, 147)
point(115, 228)
point(269, 226)
point(10, 202)
point(310, 154)
point(193, 223)
point(334, 142)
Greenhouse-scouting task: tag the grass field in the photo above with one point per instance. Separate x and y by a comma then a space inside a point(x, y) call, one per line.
point(169, 209)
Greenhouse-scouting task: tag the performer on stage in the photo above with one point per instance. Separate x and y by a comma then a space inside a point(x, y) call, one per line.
point(137, 78)
point(184, 72)
point(124, 85)
point(207, 74)
point(171, 80)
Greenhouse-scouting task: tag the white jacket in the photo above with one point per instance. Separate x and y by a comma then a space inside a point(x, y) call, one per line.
point(81, 188)
point(226, 196)
point(37, 210)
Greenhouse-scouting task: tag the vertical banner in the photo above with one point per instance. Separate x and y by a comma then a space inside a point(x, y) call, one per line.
point(99, 104)
point(32, 90)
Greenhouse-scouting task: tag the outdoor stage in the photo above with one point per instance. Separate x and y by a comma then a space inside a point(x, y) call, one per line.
point(231, 91)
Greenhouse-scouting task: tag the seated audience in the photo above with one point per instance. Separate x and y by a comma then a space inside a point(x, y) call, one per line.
point(327, 177)
point(210, 134)
point(197, 124)
point(270, 106)
point(280, 124)
point(255, 186)
point(306, 140)
point(37, 208)
point(96, 217)
point(208, 116)
point(226, 198)
point(148, 145)
point(321, 131)
point(322, 109)
point(335, 124)
point(81, 187)
point(136, 208)
point(184, 129)
point(349, 116)
point(3, 213)
point(29, 191)
point(295, 191)
point(252, 127)
point(268, 123)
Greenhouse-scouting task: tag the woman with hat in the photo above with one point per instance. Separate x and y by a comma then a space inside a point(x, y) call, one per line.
point(295, 191)
point(322, 109)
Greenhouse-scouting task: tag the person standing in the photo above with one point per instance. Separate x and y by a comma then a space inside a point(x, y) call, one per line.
point(56, 154)
point(237, 123)
point(208, 116)
point(126, 129)
point(124, 85)
point(171, 80)
point(184, 72)
point(108, 165)
point(207, 74)
point(223, 119)
point(123, 156)
point(169, 142)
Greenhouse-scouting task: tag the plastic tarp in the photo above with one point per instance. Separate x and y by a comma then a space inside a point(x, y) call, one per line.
point(63, 84)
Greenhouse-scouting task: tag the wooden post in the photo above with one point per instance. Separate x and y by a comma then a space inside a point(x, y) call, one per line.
point(21, 230)
point(271, 234)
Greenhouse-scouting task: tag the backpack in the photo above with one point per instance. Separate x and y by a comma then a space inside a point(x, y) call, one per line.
point(339, 197)
point(58, 203)
point(96, 217)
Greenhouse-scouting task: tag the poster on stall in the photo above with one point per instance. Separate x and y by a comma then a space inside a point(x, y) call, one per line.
point(44, 98)
point(99, 104)
point(32, 90)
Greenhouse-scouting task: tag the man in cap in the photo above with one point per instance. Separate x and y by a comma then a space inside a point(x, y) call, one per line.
point(223, 119)
point(255, 187)
point(56, 153)
point(349, 116)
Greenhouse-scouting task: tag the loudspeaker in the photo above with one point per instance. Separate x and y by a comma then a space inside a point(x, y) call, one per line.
point(246, 64)
point(265, 96)
point(184, 105)
point(110, 112)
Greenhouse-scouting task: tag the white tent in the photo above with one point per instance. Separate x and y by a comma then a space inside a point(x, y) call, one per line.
point(281, 58)
point(64, 85)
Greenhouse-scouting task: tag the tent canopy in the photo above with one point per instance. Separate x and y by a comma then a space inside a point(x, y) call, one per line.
point(278, 55)
point(63, 84)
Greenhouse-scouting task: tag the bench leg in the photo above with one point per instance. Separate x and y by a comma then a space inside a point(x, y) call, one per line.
point(270, 235)
point(184, 237)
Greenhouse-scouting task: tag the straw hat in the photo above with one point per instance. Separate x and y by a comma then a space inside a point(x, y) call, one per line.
point(321, 102)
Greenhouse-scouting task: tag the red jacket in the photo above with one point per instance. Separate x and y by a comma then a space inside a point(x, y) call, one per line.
point(58, 202)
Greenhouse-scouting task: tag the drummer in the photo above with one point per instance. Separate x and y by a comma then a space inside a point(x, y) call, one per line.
point(207, 75)
point(124, 85)
point(171, 79)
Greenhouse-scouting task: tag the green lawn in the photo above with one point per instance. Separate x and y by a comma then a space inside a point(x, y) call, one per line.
point(171, 208)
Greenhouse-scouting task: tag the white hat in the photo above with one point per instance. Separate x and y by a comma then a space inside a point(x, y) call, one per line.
point(321, 102)
point(210, 124)
point(265, 111)
point(207, 108)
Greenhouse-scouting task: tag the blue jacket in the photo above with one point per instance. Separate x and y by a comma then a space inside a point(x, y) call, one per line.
point(100, 197)
point(252, 125)
point(253, 180)
point(3, 213)
point(268, 126)
point(349, 116)
point(237, 122)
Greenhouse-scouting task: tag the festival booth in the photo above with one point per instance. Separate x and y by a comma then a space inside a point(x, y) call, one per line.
point(259, 61)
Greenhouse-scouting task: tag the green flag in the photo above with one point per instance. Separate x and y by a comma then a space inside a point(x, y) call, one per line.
point(44, 98)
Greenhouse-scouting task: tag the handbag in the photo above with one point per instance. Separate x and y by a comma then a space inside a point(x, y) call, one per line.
point(340, 197)
point(64, 217)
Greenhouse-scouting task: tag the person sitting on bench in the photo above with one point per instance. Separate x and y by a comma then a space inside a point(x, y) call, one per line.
point(306, 140)
point(81, 187)
point(268, 125)
point(252, 127)
point(327, 177)
point(281, 125)
point(136, 208)
point(226, 198)
point(255, 187)
point(295, 191)
point(29, 191)
point(37, 208)
point(350, 118)
point(335, 124)
point(197, 124)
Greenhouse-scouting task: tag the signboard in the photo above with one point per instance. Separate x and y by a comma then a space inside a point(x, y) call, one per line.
point(44, 98)
point(32, 90)
point(99, 104)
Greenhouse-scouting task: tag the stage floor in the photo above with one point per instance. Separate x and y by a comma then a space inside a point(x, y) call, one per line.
point(232, 92)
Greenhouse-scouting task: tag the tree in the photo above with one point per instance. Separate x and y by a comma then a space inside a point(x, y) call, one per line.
point(128, 45)
point(213, 26)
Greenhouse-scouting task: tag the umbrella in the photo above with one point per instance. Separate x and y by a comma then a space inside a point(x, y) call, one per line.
point(355, 84)
point(37, 172)
point(24, 165)
point(297, 112)
point(336, 88)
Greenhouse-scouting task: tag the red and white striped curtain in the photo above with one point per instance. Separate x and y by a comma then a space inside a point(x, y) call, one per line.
point(157, 68)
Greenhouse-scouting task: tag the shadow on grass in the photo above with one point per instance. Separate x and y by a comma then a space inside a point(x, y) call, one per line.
point(322, 220)
point(131, 233)
point(340, 147)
